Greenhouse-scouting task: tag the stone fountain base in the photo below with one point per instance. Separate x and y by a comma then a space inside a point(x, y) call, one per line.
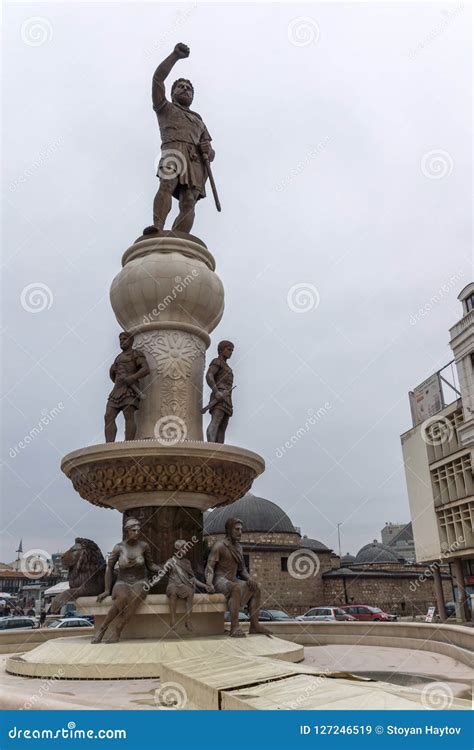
point(77, 658)
point(166, 487)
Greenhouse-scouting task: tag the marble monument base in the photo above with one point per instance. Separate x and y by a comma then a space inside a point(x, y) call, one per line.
point(152, 618)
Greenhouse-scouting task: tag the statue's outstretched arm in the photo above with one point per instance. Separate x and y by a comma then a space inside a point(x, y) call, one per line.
point(162, 72)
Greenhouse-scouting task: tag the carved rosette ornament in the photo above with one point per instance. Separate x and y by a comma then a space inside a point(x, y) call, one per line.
point(176, 360)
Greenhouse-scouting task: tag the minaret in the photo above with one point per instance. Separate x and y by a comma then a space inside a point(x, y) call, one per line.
point(19, 552)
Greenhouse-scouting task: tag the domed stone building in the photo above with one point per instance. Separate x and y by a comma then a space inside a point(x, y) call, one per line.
point(288, 566)
point(376, 554)
point(376, 576)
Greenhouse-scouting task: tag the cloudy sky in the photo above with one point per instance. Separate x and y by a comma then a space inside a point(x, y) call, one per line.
point(342, 134)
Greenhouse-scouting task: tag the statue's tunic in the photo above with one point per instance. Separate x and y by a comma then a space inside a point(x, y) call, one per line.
point(181, 131)
point(224, 379)
point(181, 580)
point(127, 363)
point(229, 564)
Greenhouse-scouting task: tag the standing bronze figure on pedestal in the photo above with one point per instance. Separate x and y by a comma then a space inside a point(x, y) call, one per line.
point(128, 368)
point(220, 379)
point(186, 150)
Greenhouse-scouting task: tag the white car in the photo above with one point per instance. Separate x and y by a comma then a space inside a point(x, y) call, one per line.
point(71, 622)
point(326, 613)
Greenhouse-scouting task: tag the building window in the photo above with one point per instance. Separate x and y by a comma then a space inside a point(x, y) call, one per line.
point(284, 564)
point(469, 303)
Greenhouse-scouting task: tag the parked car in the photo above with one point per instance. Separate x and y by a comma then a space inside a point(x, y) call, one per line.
point(364, 612)
point(326, 613)
point(243, 617)
point(273, 615)
point(451, 607)
point(71, 622)
point(10, 623)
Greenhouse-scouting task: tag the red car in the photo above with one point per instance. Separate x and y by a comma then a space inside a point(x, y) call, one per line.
point(364, 612)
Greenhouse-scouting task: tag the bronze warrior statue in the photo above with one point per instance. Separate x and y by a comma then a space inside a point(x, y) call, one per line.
point(182, 583)
point(128, 368)
point(185, 147)
point(226, 570)
point(220, 379)
point(133, 559)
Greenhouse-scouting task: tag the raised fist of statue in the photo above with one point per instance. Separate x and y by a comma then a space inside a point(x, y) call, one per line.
point(181, 50)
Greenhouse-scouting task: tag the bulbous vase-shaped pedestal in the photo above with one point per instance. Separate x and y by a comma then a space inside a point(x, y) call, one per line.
point(169, 296)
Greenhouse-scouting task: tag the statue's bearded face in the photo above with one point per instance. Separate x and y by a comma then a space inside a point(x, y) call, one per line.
point(236, 532)
point(183, 93)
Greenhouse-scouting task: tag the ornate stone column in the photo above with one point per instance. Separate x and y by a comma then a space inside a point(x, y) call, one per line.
point(169, 296)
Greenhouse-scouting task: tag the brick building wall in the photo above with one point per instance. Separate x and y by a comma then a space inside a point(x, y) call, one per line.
point(402, 596)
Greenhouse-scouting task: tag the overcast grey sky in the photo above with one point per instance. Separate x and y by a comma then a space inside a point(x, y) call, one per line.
point(342, 134)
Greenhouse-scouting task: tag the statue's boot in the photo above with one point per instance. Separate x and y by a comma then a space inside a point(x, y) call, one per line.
point(237, 633)
point(151, 230)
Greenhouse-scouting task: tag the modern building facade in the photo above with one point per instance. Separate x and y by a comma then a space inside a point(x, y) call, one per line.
point(438, 453)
